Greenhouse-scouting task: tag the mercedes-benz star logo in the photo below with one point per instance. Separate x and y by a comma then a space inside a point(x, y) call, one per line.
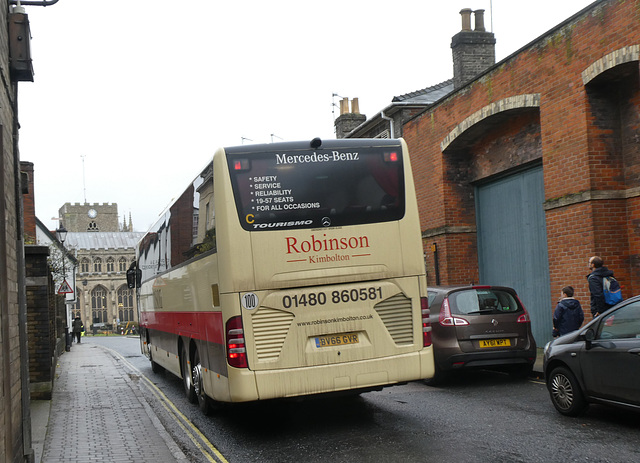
point(326, 222)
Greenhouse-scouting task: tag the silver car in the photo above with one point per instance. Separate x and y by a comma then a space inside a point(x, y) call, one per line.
point(599, 363)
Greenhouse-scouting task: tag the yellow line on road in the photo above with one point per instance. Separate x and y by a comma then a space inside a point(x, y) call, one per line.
point(185, 423)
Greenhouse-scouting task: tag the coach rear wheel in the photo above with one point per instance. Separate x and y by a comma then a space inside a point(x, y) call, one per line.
point(154, 366)
point(189, 390)
point(196, 373)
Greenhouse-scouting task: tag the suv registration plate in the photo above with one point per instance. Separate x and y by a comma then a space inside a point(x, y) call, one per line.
point(495, 343)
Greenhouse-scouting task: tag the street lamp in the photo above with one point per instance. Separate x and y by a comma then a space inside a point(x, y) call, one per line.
point(61, 234)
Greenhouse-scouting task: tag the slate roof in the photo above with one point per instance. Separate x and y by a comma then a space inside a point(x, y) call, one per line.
point(427, 95)
point(103, 240)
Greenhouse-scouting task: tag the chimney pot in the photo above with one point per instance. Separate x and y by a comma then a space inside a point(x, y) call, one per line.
point(466, 19)
point(479, 16)
point(355, 107)
point(344, 106)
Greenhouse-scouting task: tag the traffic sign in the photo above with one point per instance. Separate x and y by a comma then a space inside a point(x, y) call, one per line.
point(65, 288)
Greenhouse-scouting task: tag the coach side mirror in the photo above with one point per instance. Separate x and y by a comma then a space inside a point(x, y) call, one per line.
point(134, 277)
point(131, 278)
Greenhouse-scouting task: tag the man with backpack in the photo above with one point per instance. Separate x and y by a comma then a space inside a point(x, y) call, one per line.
point(601, 280)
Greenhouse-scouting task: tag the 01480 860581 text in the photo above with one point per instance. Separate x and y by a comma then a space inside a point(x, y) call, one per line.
point(336, 297)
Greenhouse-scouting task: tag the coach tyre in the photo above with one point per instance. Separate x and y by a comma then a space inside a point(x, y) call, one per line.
point(189, 391)
point(565, 392)
point(154, 366)
point(196, 373)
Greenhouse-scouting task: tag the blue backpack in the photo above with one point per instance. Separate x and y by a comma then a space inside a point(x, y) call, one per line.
point(611, 290)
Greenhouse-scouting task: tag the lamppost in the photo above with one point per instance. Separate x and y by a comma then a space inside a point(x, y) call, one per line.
point(61, 234)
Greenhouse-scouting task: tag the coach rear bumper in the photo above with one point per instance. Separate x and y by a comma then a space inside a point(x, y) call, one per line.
point(331, 378)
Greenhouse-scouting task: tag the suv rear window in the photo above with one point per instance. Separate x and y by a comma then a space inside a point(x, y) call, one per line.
point(482, 301)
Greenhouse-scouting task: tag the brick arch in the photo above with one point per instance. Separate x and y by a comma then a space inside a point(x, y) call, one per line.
point(493, 114)
point(610, 61)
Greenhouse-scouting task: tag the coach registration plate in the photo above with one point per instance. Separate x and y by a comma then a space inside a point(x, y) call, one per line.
point(495, 343)
point(337, 339)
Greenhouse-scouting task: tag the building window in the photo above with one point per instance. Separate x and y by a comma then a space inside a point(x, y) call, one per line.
point(194, 230)
point(122, 265)
point(97, 265)
point(92, 227)
point(84, 265)
point(111, 264)
point(99, 304)
point(125, 304)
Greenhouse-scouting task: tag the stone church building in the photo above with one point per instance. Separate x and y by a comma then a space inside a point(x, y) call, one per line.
point(104, 249)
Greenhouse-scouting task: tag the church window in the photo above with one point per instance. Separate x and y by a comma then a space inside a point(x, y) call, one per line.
point(99, 304)
point(97, 265)
point(111, 263)
point(122, 265)
point(125, 304)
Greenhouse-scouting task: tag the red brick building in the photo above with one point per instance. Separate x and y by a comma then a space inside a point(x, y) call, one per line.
point(561, 115)
point(527, 167)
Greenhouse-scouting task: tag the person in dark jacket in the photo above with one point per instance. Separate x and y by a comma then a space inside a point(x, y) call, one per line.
point(568, 315)
point(77, 328)
point(598, 272)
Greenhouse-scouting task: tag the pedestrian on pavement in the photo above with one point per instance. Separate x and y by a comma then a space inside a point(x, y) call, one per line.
point(598, 272)
point(77, 328)
point(568, 315)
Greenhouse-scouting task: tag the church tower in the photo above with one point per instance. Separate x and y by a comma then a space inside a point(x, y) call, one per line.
point(90, 217)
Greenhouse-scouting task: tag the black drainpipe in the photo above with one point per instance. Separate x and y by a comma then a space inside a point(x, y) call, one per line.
point(436, 265)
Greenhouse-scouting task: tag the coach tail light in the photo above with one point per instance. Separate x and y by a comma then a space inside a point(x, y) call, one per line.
point(426, 323)
point(236, 348)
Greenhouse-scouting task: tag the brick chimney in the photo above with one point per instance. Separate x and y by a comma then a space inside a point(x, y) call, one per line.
point(348, 120)
point(474, 51)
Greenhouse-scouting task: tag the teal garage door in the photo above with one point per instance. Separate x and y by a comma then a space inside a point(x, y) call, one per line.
point(512, 243)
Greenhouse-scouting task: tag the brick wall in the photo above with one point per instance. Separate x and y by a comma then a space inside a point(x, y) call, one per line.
point(45, 321)
point(577, 112)
point(12, 446)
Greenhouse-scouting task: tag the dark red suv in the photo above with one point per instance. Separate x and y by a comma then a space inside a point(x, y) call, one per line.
point(480, 327)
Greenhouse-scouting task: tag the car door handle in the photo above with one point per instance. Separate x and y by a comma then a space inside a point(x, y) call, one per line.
point(634, 351)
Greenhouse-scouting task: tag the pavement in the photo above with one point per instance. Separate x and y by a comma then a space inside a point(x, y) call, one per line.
point(98, 414)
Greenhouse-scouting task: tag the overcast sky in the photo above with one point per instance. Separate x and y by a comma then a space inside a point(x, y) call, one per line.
point(131, 99)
